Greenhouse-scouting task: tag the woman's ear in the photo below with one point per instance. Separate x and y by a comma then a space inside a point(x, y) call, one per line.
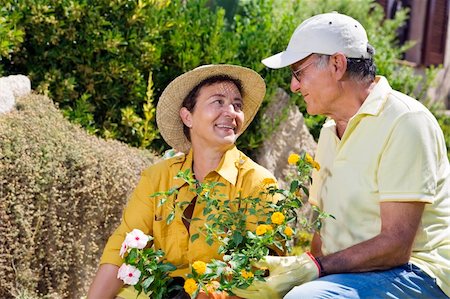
point(186, 117)
point(339, 62)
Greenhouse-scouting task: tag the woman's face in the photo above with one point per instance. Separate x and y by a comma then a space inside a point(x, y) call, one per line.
point(217, 118)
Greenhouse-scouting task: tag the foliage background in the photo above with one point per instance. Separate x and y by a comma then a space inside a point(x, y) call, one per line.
point(105, 63)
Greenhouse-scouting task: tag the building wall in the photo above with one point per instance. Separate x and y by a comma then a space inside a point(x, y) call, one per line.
point(428, 26)
point(442, 90)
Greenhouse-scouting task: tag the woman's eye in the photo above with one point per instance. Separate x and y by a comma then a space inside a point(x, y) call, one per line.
point(219, 101)
point(237, 106)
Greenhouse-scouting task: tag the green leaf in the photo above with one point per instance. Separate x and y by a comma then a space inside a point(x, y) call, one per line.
point(147, 282)
point(237, 237)
point(162, 201)
point(195, 237)
point(294, 186)
point(171, 217)
point(166, 267)
point(305, 190)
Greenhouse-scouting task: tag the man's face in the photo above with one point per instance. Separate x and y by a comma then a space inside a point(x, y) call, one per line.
point(313, 80)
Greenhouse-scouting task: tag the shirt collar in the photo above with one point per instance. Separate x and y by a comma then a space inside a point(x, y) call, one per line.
point(228, 165)
point(377, 97)
point(372, 105)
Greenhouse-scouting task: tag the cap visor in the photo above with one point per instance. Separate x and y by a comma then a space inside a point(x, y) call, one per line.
point(283, 59)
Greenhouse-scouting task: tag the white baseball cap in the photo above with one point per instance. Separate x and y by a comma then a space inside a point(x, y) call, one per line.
point(327, 33)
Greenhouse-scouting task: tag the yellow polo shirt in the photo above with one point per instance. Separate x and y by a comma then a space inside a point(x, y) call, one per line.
point(392, 150)
point(236, 171)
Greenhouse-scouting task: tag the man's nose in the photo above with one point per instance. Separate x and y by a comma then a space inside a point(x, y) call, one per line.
point(295, 85)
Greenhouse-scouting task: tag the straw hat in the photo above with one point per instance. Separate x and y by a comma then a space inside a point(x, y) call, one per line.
point(169, 104)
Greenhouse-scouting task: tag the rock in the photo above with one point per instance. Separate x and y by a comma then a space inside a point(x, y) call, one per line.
point(291, 136)
point(19, 84)
point(12, 87)
point(6, 96)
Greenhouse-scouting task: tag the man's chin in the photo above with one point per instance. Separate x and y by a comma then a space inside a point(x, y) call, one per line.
point(311, 111)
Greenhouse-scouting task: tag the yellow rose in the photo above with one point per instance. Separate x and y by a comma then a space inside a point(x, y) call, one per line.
point(316, 166)
point(277, 218)
point(199, 267)
point(309, 159)
point(190, 286)
point(262, 229)
point(288, 231)
point(247, 274)
point(293, 159)
point(268, 181)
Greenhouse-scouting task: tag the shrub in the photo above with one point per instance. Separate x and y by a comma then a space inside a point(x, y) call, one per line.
point(62, 192)
point(106, 62)
point(10, 37)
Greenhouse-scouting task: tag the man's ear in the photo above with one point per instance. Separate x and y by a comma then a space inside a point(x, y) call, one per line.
point(186, 117)
point(339, 64)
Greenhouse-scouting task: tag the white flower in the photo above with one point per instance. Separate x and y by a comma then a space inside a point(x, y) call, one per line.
point(123, 249)
point(136, 239)
point(129, 274)
point(233, 264)
point(227, 258)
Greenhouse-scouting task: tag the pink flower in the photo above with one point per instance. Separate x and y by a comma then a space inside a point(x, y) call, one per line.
point(136, 239)
point(129, 274)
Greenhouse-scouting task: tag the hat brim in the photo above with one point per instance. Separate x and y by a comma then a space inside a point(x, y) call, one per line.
point(284, 59)
point(169, 104)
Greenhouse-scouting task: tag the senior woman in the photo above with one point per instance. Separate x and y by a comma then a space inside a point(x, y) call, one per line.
point(201, 113)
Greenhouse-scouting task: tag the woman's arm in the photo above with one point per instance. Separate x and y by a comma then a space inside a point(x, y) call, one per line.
point(105, 284)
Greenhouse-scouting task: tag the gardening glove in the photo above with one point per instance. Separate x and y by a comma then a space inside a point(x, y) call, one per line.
point(285, 273)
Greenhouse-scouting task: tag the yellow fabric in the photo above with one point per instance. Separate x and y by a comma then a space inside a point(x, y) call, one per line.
point(236, 171)
point(392, 150)
point(130, 293)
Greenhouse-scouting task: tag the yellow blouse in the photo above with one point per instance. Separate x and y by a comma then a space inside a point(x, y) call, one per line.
point(236, 171)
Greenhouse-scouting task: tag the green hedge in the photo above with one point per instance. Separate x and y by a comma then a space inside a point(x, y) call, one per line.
point(62, 193)
point(106, 62)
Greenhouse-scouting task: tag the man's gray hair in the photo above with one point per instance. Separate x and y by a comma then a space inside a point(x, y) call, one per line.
point(358, 69)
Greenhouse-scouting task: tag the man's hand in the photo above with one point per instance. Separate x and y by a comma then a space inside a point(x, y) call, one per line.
point(286, 272)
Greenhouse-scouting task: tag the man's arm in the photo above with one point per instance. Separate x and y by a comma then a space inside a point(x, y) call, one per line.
point(316, 245)
point(392, 247)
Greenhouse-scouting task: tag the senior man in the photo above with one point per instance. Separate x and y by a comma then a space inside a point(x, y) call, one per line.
point(384, 176)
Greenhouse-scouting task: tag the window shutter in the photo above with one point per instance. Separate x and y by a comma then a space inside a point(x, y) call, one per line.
point(435, 32)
